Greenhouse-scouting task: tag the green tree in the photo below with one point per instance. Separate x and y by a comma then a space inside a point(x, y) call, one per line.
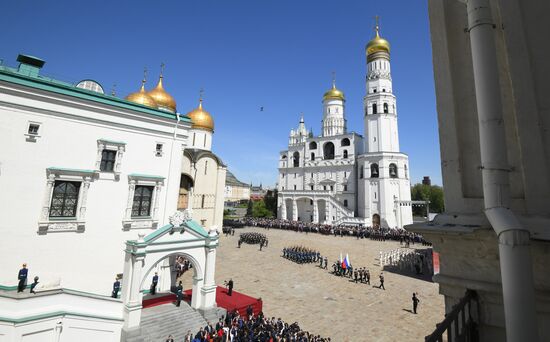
point(432, 193)
point(259, 210)
point(270, 201)
point(249, 208)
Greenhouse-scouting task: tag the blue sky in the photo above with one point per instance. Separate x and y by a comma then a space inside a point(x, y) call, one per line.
point(245, 54)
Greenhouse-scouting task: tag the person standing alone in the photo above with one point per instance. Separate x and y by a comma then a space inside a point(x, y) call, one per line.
point(22, 276)
point(154, 284)
point(415, 302)
point(230, 287)
point(381, 282)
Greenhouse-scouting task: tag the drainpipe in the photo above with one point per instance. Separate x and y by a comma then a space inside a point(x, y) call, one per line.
point(170, 165)
point(518, 288)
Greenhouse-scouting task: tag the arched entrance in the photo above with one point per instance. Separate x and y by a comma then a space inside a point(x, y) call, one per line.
point(288, 206)
point(186, 184)
point(304, 205)
point(155, 251)
point(376, 221)
point(322, 210)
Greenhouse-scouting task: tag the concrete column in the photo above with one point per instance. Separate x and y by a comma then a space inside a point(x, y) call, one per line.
point(327, 211)
point(196, 299)
point(294, 210)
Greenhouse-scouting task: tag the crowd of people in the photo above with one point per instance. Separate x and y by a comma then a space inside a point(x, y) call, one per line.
point(253, 238)
point(236, 328)
point(301, 254)
point(360, 232)
point(181, 266)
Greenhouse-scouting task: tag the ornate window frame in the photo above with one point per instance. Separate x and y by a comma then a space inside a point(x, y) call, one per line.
point(150, 222)
point(48, 224)
point(119, 147)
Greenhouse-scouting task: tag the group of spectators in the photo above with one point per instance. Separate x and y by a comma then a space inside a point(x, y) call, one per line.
point(181, 266)
point(360, 232)
point(301, 254)
point(253, 239)
point(236, 328)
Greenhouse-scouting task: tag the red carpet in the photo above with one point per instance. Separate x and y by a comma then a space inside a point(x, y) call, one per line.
point(237, 301)
point(159, 299)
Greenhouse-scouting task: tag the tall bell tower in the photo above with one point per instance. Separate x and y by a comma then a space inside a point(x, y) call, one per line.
point(380, 115)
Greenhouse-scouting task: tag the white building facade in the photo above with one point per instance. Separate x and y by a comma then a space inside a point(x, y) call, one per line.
point(90, 185)
point(345, 178)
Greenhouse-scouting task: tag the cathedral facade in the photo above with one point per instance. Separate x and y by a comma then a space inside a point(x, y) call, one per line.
point(342, 177)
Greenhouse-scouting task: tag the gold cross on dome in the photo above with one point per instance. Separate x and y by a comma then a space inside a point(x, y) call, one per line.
point(334, 78)
point(377, 26)
point(201, 93)
point(162, 65)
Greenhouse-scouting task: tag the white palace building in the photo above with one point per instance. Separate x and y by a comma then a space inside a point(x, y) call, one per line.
point(92, 188)
point(341, 177)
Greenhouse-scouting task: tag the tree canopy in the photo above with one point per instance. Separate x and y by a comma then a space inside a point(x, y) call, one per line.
point(432, 193)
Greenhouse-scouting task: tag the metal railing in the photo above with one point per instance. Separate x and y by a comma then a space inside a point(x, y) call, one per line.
point(459, 325)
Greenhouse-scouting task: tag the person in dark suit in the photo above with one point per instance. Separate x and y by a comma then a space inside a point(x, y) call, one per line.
point(179, 294)
point(415, 302)
point(170, 339)
point(230, 287)
point(154, 284)
point(116, 288)
point(381, 282)
point(22, 276)
point(33, 285)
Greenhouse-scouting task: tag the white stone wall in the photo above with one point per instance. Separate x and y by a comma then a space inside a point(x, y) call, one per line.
point(70, 128)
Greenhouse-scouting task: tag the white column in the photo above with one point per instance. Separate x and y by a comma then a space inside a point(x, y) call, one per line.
point(283, 209)
point(132, 308)
point(315, 211)
point(208, 291)
point(83, 199)
point(158, 187)
point(327, 211)
point(294, 210)
point(100, 148)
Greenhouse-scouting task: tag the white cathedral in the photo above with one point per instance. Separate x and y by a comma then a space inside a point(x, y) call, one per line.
point(341, 177)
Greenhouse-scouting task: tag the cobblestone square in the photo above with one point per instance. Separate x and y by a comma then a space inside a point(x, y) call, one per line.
point(323, 303)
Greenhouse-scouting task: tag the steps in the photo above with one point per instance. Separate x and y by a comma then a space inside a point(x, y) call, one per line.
point(160, 321)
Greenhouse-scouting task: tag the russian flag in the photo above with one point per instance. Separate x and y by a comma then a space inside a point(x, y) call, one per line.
point(347, 262)
point(342, 262)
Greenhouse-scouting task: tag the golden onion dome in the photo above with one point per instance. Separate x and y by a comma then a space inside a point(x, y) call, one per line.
point(334, 93)
point(142, 98)
point(164, 100)
point(377, 44)
point(201, 119)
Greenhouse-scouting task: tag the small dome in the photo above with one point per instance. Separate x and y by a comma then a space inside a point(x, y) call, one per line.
point(201, 119)
point(142, 98)
point(164, 100)
point(377, 44)
point(334, 93)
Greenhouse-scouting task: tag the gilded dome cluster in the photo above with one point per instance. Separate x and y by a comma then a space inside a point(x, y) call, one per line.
point(156, 98)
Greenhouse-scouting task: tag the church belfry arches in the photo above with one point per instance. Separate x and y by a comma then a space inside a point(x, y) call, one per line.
point(328, 151)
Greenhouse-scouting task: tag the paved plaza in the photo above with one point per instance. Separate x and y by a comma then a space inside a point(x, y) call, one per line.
point(326, 304)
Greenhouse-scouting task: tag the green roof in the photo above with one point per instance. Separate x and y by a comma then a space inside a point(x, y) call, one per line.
point(12, 75)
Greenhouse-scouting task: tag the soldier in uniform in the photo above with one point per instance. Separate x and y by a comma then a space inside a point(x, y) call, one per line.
point(381, 281)
point(230, 287)
point(179, 294)
point(116, 288)
point(33, 285)
point(154, 284)
point(22, 276)
point(415, 302)
point(367, 277)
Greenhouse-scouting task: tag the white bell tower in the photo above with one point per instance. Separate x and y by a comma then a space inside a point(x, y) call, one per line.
point(334, 121)
point(379, 102)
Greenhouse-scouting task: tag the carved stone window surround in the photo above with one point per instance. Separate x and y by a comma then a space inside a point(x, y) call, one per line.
point(149, 222)
point(120, 147)
point(47, 224)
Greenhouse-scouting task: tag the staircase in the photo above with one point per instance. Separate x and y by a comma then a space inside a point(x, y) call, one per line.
point(160, 321)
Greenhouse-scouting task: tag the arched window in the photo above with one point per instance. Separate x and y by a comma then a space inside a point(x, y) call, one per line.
point(386, 108)
point(374, 170)
point(345, 142)
point(283, 157)
point(405, 169)
point(345, 154)
point(65, 199)
point(374, 109)
point(328, 150)
point(296, 159)
point(393, 170)
point(313, 145)
point(361, 175)
point(346, 203)
point(312, 156)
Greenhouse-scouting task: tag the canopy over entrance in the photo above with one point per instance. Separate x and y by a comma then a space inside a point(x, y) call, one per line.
point(182, 236)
